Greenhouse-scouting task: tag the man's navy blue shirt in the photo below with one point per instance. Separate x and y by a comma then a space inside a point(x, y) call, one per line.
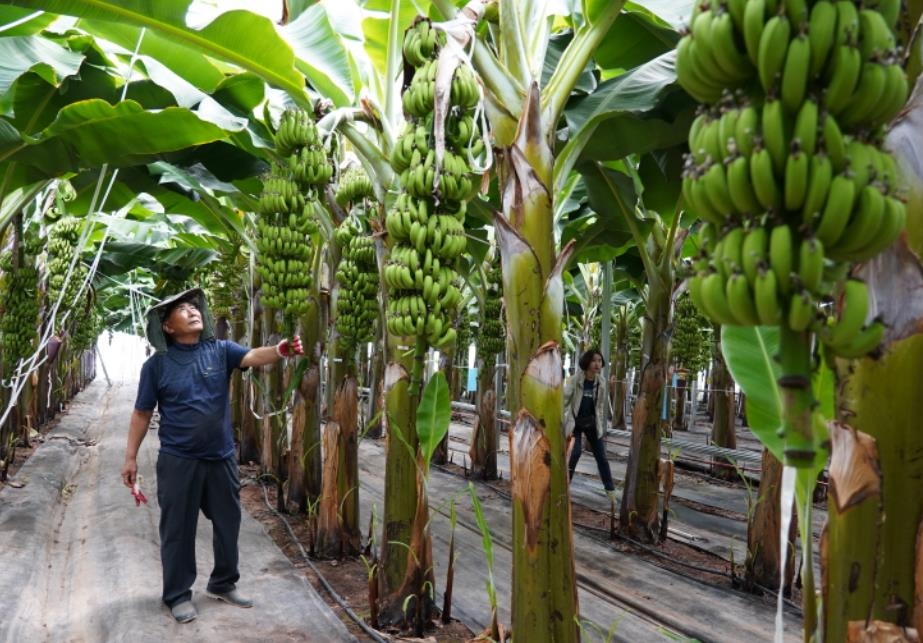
point(189, 385)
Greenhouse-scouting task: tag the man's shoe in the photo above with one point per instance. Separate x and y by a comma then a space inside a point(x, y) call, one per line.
point(184, 612)
point(233, 597)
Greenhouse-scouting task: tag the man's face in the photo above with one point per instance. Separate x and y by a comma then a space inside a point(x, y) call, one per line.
point(185, 319)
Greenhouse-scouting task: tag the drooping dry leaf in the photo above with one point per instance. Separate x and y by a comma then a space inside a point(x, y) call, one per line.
point(854, 472)
point(530, 460)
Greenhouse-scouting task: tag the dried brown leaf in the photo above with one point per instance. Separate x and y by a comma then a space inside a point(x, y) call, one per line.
point(854, 472)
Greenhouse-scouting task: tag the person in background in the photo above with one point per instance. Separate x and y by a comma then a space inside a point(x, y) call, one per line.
point(585, 415)
point(187, 380)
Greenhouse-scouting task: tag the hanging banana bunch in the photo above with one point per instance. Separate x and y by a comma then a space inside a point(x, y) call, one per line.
point(89, 323)
point(224, 281)
point(786, 165)
point(426, 223)
point(357, 274)
point(19, 306)
point(491, 336)
point(286, 215)
point(787, 169)
point(63, 237)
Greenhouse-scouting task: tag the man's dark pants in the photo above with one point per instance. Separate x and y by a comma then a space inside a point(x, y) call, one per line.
point(183, 488)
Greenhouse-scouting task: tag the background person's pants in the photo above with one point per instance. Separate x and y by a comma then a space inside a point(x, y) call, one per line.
point(183, 488)
point(599, 451)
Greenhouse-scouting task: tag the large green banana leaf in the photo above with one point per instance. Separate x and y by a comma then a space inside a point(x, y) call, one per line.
point(92, 133)
point(44, 57)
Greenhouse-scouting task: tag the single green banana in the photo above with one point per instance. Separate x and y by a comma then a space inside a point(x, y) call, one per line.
point(776, 133)
point(822, 31)
point(731, 258)
point(747, 128)
point(797, 167)
point(811, 264)
point(834, 142)
point(727, 134)
point(862, 158)
point(890, 11)
point(711, 141)
point(772, 49)
point(701, 204)
point(847, 22)
point(796, 72)
point(696, 134)
point(730, 60)
point(754, 251)
point(781, 255)
point(869, 91)
point(892, 223)
point(753, 25)
point(740, 186)
point(714, 298)
point(806, 126)
point(766, 297)
point(717, 189)
point(710, 68)
point(837, 210)
point(843, 78)
point(819, 177)
point(894, 96)
point(801, 311)
point(875, 37)
point(865, 221)
point(796, 10)
point(866, 341)
point(763, 178)
point(740, 300)
point(736, 8)
point(853, 309)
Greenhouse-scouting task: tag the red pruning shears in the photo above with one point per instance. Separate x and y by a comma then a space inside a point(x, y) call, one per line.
point(137, 494)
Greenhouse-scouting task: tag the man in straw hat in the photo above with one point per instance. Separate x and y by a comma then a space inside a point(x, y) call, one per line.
point(187, 380)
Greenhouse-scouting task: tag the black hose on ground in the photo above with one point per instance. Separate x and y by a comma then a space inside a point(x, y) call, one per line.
point(358, 620)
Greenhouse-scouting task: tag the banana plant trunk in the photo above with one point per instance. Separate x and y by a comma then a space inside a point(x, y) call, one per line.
point(679, 409)
point(872, 546)
point(373, 426)
point(401, 570)
point(485, 438)
point(304, 454)
point(764, 556)
point(639, 515)
point(338, 532)
point(544, 602)
point(620, 376)
point(723, 433)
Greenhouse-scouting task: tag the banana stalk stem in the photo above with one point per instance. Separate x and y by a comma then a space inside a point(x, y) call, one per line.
point(416, 374)
point(797, 396)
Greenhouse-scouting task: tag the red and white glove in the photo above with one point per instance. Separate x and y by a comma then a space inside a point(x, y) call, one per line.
point(289, 347)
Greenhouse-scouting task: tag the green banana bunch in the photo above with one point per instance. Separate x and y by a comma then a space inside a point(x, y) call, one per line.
point(357, 276)
point(421, 42)
point(19, 300)
point(353, 186)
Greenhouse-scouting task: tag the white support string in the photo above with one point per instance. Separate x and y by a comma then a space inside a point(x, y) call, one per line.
point(26, 366)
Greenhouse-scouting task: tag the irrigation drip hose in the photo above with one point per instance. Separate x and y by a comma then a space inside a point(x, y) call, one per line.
point(658, 554)
point(358, 620)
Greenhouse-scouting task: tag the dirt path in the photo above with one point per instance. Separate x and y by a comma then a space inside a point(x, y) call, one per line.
point(81, 562)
